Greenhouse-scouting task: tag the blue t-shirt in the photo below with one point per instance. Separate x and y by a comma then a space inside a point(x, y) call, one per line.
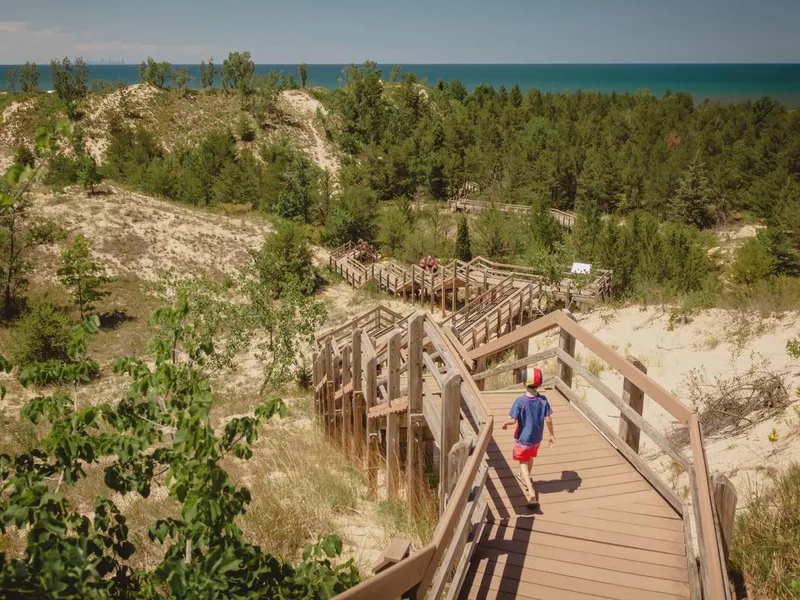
point(530, 413)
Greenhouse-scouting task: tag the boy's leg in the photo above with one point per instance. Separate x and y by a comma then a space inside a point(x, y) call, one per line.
point(525, 470)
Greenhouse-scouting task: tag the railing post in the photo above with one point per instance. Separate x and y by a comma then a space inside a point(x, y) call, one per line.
point(725, 502)
point(633, 397)
point(567, 344)
point(520, 352)
point(451, 422)
point(358, 397)
point(415, 430)
point(393, 419)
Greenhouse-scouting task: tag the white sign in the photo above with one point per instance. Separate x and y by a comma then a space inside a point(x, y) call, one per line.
point(581, 268)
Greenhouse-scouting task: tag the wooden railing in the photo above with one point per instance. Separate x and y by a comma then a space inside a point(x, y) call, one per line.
point(355, 383)
point(565, 219)
point(712, 576)
point(480, 273)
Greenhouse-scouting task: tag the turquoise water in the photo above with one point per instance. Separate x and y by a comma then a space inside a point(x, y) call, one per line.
point(724, 82)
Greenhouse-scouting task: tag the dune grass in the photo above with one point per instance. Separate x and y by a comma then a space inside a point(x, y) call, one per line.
point(766, 542)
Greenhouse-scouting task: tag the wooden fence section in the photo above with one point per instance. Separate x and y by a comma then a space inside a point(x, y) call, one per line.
point(393, 396)
point(565, 219)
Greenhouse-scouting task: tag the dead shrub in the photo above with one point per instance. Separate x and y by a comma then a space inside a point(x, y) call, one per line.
point(733, 404)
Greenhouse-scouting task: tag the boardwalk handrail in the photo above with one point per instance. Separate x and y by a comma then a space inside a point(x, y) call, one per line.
point(712, 563)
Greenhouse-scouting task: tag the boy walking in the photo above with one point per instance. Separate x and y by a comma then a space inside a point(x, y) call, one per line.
point(530, 413)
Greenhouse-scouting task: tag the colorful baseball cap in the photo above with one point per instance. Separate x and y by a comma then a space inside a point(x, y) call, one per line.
point(532, 377)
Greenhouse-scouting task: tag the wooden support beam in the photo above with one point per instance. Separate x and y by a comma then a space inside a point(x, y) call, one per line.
point(358, 397)
point(451, 422)
point(725, 503)
point(414, 432)
point(480, 366)
point(455, 289)
point(329, 414)
point(393, 420)
point(443, 292)
point(371, 398)
point(566, 343)
point(347, 402)
point(633, 397)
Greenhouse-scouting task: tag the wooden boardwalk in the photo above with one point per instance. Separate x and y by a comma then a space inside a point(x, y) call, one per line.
point(602, 531)
point(391, 391)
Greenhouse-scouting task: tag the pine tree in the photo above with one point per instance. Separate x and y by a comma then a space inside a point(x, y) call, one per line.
point(544, 229)
point(692, 202)
point(303, 71)
point(463, 248)
point(83, 277)
point(587, 231)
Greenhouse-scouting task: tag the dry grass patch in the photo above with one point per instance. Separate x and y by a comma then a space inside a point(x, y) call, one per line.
point(766, 542)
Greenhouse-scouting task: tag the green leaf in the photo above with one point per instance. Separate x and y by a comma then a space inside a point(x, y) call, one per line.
point(43, 138)
point(332, 545)
point(66, 128)
point(13, 174)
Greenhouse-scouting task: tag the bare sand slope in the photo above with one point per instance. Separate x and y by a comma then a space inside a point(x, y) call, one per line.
point(138, 234)
point(301, 108)
point(717, 343)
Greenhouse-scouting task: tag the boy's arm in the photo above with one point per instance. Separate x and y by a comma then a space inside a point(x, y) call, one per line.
point(549, 421)
point(508, 423)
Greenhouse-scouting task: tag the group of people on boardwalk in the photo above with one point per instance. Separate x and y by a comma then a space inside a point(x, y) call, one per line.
point(428, 264)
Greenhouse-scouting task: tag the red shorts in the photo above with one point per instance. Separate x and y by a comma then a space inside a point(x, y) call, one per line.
point(525, 453)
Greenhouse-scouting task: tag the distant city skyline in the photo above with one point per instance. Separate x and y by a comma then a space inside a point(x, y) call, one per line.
point(468, 31)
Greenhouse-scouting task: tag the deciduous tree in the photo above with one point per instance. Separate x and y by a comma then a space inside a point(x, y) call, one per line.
point(155, 73)
point(12, 75)
point(238, 70)
point(70, 82)
point(88, 174)
point(207, 74)
point(29, 77)
point(83, 277)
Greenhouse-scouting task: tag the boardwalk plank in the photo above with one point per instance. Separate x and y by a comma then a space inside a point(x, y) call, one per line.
point(580, 580)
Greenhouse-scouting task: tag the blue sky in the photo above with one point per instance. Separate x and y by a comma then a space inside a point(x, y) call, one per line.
point(411, 31)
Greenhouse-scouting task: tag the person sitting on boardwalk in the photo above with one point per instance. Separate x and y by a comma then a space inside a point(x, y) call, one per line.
point(432, 264)
point(530, 413)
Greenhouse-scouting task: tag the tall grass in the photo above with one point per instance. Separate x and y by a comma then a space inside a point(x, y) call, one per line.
point(766, 542)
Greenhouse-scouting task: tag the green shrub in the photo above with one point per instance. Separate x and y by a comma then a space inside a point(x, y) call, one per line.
point(766, 542)
point(753, 263)
point(43, 334)
point(285, 261)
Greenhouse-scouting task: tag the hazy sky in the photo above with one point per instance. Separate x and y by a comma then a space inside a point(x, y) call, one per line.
point(408, 31)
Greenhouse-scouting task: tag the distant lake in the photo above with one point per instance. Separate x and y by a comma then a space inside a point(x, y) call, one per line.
point(723, 82)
